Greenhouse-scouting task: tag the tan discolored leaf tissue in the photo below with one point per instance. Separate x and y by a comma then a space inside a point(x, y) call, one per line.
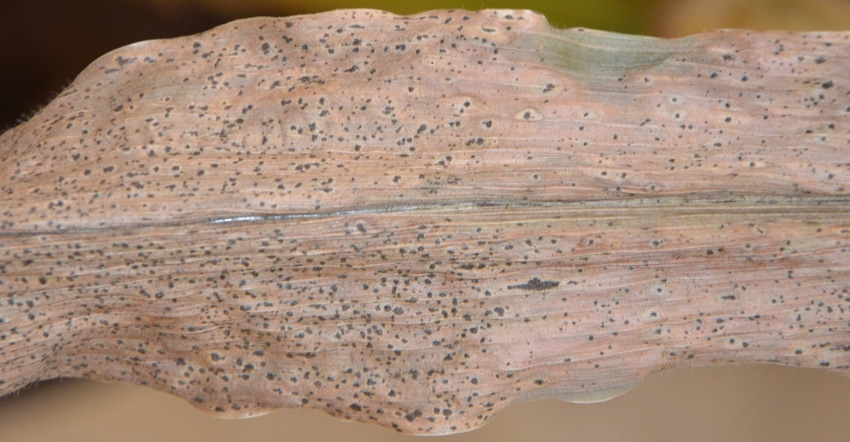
point(415, 221)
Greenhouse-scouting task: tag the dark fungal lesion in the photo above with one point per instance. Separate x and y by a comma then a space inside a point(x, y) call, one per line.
point(535, 284)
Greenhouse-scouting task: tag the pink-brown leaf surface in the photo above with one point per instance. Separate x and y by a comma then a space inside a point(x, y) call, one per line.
point(414, 221)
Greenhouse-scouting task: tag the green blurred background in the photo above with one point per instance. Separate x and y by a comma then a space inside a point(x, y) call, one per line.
point(45, 43)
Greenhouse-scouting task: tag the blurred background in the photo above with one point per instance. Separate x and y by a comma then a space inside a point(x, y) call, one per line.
point(44, 44)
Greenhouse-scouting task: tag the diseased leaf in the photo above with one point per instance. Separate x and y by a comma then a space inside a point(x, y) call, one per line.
point(415, 221)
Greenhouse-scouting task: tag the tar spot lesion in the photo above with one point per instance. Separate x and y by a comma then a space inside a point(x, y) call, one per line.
point(535, 284)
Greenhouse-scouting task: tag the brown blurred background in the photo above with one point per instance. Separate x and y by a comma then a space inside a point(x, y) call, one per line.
point(45, 43)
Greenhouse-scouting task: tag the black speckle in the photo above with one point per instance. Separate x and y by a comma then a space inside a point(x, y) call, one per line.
point(412, 416)
point(535, 284)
